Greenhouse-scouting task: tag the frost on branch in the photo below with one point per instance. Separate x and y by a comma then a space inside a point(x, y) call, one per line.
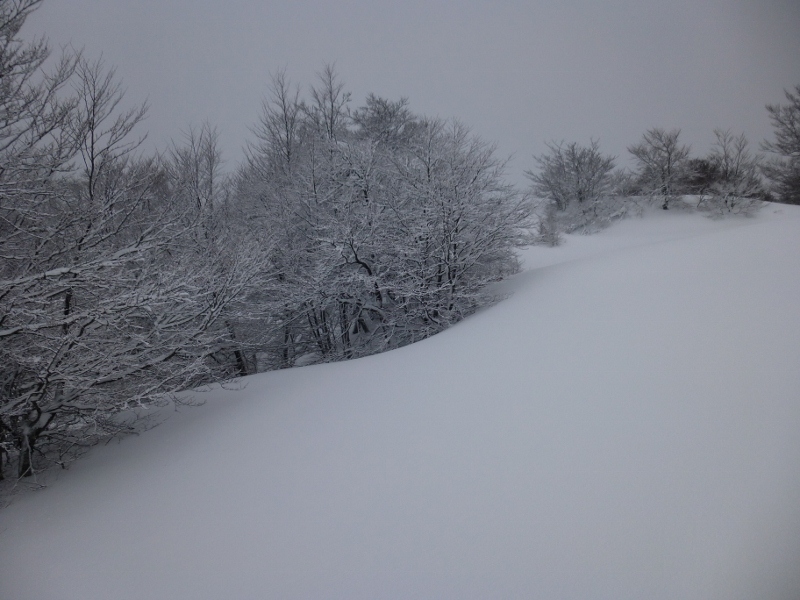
point(576, 186)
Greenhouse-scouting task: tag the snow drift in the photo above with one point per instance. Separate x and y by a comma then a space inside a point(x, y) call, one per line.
point(625, 425)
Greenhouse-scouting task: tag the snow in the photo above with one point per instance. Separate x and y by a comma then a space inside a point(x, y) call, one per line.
point(625, 425)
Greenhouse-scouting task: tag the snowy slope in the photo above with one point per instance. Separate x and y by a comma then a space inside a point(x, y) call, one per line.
point(626, 425)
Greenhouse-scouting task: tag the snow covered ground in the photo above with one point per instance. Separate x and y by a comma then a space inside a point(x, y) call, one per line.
point(626, 425)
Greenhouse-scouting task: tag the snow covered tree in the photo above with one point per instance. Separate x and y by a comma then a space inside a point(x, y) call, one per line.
point(465, 218)
point(578, 181)
point(126, 278)
point(194, 166)
point(735, 185)
point(784, 168)
point(662, 163)
point(387, 225)
point(277, 191)
point(35, 146)
point(106, 304)
point(219, 241)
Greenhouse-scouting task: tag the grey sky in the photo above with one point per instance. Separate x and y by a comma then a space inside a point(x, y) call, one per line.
point(519, 73)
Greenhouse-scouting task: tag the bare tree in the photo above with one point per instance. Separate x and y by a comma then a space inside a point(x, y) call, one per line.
point(457, 225)
point(736, 185)
point(578, 182)
point(219, 241)
point(106, 304)
point(275, 189)
point(195, 167)
point(35, 146)
point(329, 100)
point(277, 132)
point(784, 168)
point(662, 163)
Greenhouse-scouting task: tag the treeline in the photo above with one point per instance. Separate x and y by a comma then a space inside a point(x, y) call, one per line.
point(581, 189)
point(127, 277)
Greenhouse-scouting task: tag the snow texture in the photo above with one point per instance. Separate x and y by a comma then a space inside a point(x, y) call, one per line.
point(625, 425)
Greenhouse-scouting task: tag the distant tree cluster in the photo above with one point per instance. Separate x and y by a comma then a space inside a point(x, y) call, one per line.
point(125, 278)
point(579, 188)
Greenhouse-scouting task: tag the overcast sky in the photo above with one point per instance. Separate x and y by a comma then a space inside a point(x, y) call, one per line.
point(519, 73)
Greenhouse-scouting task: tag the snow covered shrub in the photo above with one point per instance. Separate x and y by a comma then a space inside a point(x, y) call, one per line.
point(733, 172)
point(578, 186)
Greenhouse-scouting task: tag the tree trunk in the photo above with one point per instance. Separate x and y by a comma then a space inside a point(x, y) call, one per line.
point(27, 436)
point(238, 355)
point(287, 341)
point(344, 325)
point(241, 365)
point(27, 442)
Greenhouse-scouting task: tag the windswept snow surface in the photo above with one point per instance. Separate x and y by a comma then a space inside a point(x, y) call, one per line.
point(626, 425)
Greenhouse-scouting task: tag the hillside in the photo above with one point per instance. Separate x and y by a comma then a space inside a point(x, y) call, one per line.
point(625, 425)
